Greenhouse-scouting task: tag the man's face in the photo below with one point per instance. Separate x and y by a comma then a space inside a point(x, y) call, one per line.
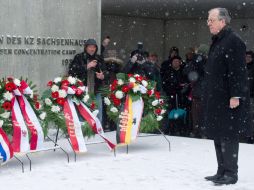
point(106, 42)
point(153, 58)
point(173, 53)
point(176, 63)
point(215, 25)
point(248, 58)
point(91, 49)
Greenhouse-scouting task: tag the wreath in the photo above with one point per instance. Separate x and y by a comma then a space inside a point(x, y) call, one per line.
point(136, 86)
point(60, 89)
point(7, 88)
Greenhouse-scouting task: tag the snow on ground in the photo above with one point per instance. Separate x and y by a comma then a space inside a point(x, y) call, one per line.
point(149, 165)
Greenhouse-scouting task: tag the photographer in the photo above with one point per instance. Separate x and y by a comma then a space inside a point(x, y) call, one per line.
point(140, 64)
point(89, 67)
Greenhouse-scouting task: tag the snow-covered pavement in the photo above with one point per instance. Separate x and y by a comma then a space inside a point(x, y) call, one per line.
point(149, 165)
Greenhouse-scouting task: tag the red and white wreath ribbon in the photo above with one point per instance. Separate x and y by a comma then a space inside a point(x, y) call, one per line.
point(74, 127)
point(32, 122)
point(95, 123)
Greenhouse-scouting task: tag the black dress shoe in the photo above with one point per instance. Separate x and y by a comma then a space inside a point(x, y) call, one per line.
point(225, 180)
point(214, 177)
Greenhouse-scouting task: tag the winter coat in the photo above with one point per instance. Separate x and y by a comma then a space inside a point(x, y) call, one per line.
point(78, 68)
point(250, 67)
point(226, 77)
point(146, 69)
point(194, 70)
point(172, 84)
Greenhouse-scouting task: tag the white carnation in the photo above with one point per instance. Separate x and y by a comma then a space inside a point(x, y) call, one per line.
point(120, 82)
point(54, 88)
point(42, 115)
point(144, 83)
point(136, 88)
point(131, 79)
point(5, 115)
point(17, 82)
point(48, 102)
point(72, 80)
point(114, 109)
point(95, 112)
point(107, 101)
point(119, 94)
point(159, 118)
point(32, 95)
point(163, 111)
point(1, 123)
point(155, 102)
point(57, 80)
point(8, 96)
point(62, 93)
point(136, 75)
point(143, 89)
point(86, 98)
point(55, 109)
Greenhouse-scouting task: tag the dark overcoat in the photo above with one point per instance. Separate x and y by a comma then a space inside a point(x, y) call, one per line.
point(226, 77)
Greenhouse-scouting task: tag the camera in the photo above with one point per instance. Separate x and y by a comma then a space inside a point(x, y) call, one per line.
point(140, 52)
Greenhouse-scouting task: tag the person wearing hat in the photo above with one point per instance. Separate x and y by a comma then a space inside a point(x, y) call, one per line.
point(89, 67)
point(172, 84)
point(174, 51)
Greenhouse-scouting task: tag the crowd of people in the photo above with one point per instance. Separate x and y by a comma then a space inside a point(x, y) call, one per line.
point(178, 79)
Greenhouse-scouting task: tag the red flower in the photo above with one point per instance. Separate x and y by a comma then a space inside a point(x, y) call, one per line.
point(117, 102)
point(55, 95)
point(139, 78)
point(114, 82)
point(80, 83)
point(130, 75)
point(92, 106)
point(157, 95)
point(158, 111)
point(112, 87)
point(35, 98)
point(65, 83)
point(60, 101)
point(10, 86)
point(37, 105)
point(50, 83)
point(79, 92)
point(125, 89)
point(74, 88)
point(7, 106)
point(112, 96)
point(150, 92)
point(131, 85)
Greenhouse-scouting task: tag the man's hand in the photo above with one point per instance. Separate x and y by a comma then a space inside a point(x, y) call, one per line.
point(234, 103)
point(100, 75)
point(91, 64)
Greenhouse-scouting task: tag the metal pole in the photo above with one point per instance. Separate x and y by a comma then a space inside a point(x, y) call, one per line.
point(22, 164)
point(75, 156)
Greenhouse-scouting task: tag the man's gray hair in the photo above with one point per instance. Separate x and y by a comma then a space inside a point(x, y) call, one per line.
point(223, 14)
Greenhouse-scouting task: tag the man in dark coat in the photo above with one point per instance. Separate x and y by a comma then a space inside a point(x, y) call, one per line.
point(250, 66)
point(140, 64)
point(226, 95)
point(90, 68)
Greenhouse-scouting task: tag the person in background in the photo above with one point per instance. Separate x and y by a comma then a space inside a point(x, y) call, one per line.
point(105, 43)
point(194, 70)
point(174, 51)
point(89, 67)
point(172, 83)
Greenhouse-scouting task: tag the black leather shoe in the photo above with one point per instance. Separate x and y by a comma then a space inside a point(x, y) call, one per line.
point(214, 177)
point(225, 180)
